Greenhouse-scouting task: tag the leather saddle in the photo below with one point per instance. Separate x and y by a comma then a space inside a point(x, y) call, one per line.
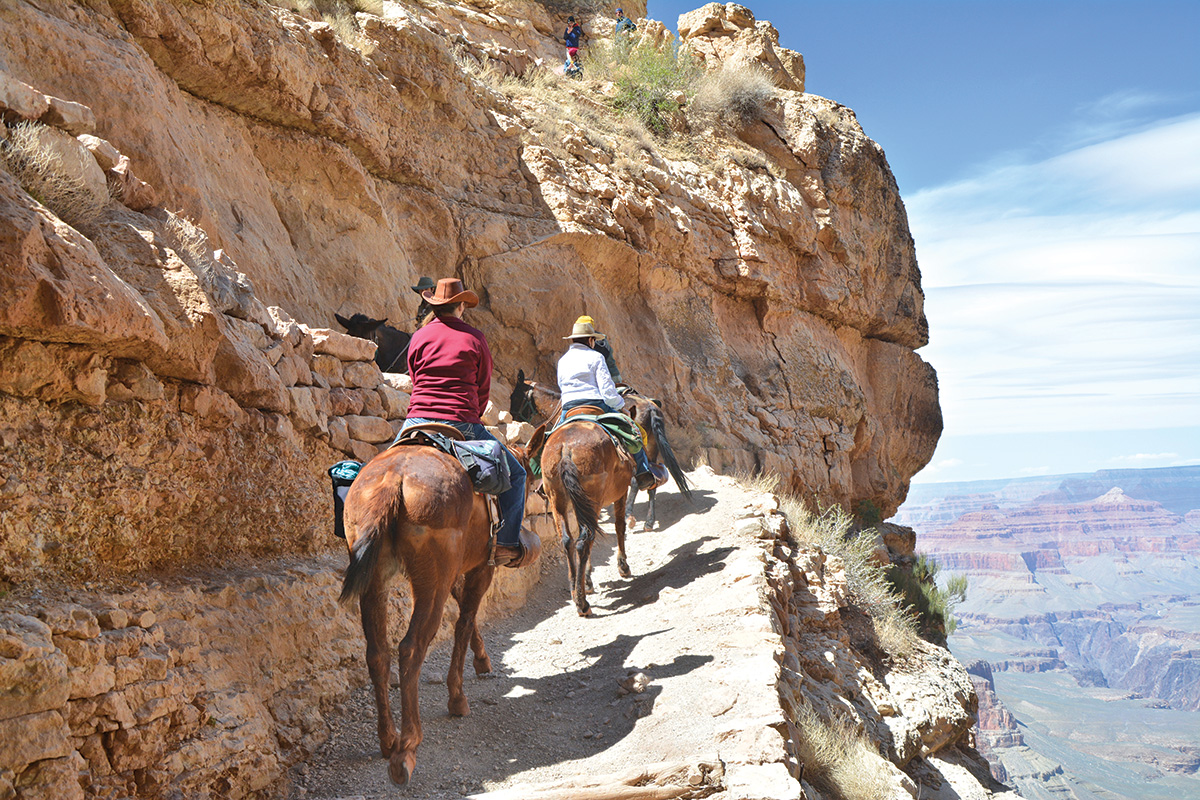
point(579, 411)
point(411, 434)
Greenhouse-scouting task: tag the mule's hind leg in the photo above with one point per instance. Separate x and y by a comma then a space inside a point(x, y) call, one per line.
point(651, 522)
point(619, 516)
point(373, 605)
point(466, 630)
point(430, 592)
point(582, 576)
point(565, 539)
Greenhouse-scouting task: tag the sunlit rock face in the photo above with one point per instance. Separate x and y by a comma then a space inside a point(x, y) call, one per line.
point(778, 310)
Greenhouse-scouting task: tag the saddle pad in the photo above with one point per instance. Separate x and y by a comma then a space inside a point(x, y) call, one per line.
point(624, 431)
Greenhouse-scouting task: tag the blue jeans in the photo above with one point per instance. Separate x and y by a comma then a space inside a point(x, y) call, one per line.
point(512, 502)
point(643, 463)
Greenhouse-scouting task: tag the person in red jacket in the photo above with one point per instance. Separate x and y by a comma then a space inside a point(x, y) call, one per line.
point(451, 370)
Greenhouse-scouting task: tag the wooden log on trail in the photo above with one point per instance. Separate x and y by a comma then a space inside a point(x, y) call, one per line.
point(667, 780)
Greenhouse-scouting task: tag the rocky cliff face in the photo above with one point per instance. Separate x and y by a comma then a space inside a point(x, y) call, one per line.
point(171, 389)
point(332, 179)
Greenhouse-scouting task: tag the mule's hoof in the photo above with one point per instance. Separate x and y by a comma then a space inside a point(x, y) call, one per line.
point(584, 611)
point(483, 665)
point(460, 708)
point(623, 569)
point(400, 768)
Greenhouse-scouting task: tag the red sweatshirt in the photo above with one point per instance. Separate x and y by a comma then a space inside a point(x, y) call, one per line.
point(451, 370)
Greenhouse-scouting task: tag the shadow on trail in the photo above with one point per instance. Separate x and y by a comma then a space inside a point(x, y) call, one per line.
point(685, 564)
point(671, 507)
point(519, 723)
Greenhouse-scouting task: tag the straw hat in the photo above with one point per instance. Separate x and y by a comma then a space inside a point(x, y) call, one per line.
point(584, 328)
point(450, 290)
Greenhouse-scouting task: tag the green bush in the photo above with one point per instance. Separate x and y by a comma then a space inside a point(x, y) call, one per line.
point(932, 605)
point(651, 82)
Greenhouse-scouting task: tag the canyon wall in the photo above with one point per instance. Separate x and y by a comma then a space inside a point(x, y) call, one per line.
point(172, 388)
point(777, 309)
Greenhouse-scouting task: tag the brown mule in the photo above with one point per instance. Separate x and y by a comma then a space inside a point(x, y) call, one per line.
point(583, 471)
point(413, 510)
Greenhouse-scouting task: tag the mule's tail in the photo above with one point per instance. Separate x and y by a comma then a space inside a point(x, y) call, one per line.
point(585, 513)
point(365, 553)
point(659, 429)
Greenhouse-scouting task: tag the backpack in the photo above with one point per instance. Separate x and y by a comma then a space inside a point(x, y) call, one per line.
point(343, 474)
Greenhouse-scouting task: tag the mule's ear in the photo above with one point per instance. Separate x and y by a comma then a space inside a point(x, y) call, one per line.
point(381, 322)
point(345, 323)
point(538, 441)
point(520, 376)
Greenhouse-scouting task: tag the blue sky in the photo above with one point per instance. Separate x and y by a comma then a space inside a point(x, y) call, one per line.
point(1049, 157)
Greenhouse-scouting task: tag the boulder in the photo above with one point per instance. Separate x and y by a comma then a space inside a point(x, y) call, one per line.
point(74, 118)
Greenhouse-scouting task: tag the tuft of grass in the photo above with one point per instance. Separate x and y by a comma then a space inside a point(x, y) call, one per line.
point(764, 482)
point(839, 758)
point(40, 171)
point(932, 605)
point(833, 530)
point(339, 15)
point(736, 94)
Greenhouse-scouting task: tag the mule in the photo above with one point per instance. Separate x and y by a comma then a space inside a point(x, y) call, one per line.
point(583, 472)
point(523, 402)
point(412, 509)
point(392, 342)
point(647, 413)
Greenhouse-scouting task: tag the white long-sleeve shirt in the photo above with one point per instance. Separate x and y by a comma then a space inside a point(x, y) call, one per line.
point(583, 375)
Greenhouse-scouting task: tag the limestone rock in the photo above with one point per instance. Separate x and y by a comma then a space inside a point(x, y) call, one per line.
point(74, 118)
point(728, 33)
point(342, 346)
point(368, 429)
point(20, 101)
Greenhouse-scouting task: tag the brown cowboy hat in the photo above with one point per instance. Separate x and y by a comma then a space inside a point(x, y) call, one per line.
point(450, 290)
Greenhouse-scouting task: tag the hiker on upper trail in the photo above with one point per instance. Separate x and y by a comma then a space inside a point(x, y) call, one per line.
point(451, 369)
point(624, 23)
point(584, 380)
point(423, 310)
point(571, 39)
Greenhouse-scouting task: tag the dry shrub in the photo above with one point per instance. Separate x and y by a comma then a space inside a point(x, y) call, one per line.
point(40, 171)
point(840, 759)
point(833, 531)
point(339, 15)
point(736, 94)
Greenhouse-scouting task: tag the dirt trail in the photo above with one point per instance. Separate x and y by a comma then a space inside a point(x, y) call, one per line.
point(554, 707)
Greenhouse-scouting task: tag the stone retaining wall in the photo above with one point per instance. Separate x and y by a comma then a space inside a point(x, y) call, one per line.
point(199, 689)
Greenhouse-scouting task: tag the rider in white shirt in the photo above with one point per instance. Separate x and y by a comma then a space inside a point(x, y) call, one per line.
point(584, 380)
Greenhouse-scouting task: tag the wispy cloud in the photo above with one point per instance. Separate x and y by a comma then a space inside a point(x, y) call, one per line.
point(1065, 294)
point(1143, 458)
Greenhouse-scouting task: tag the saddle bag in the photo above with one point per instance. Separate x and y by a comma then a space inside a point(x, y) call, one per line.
point(484, 460)
point(342, 474)
point(486, 464)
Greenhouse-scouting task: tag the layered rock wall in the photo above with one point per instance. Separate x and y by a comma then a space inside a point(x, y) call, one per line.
point(779, 313)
